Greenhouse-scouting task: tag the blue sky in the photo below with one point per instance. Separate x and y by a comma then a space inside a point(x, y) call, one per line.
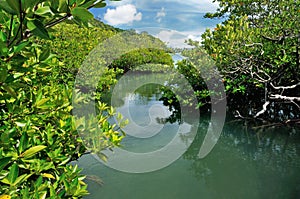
point(173, 21)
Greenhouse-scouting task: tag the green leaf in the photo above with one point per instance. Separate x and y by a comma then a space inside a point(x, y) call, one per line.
point(17, 75)
point(46, 106)
point(10, 90)
point(5, 181)
point(3, 74)
point(19, 47)
point(32, 151)
point(43, 195)
point(38, 29)
point(42, 11)
point(49, 58)
point(3, 49)
point(13, 173)
point(4, 162)
point(23, 142)
point(44, 55)
point(4, 6)
point(39, 181)
point(79, 2)
point(14, 4)
point(41, 102)
point(87, 4)
point(3, 36)
point(82, 13)
point(63, 6)
point(39, 95)
point(20, 124)
point(21, 179)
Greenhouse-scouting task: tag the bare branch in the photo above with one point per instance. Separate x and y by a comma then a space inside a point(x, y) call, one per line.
point(263, 110)
point(253, 44)
point(239, 115)
point(279, 39)
point(277, 96)
point(285, 87)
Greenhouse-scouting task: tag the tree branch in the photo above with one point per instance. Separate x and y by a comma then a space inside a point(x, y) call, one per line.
point(21, 19)
point(277, 96)
point(10, 30)
point(57, 21)
point(285, 87)
point(263, 110)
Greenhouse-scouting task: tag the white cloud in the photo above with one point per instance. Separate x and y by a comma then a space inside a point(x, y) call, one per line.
point(177, 39)
point(124, 14)
point(160, 14)
point(195, 37)
point(173, 38)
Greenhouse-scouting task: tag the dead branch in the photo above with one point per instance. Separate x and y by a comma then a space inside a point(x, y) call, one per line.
point(285, 87)
point(263, 110)
point(277, 96)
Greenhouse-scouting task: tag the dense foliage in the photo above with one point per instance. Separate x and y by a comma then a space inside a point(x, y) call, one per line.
point(72, 44)
point(156, 59)
point(257, 50)
point(38, 134)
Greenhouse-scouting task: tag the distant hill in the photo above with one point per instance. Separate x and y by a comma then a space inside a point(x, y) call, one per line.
point(72, 44)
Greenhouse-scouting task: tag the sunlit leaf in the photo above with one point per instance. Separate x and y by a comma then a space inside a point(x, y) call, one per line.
point(42, 11)
point(48, 175)
point(21, 178)
point(5, 196)
point(41, 102)
point(20, 124)
point(32, 151)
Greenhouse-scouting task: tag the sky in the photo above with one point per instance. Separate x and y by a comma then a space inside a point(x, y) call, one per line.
point(173, 21)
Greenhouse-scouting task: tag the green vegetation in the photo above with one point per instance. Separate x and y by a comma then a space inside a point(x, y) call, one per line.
point(38, 134)
point(144, 60)
point(43, 45)
point(257, 51)
point(71, 44)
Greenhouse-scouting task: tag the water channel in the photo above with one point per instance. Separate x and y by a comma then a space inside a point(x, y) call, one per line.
point(254, 163)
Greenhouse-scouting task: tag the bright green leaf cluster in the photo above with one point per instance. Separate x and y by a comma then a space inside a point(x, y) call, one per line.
point(38, 135)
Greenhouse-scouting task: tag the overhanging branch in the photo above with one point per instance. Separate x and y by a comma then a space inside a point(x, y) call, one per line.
point(285, 87)
point(277, 96)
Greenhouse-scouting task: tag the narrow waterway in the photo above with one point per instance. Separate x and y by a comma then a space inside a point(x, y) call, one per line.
point(245, 163)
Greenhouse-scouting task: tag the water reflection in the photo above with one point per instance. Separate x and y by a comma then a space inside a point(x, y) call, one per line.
point(246, 162)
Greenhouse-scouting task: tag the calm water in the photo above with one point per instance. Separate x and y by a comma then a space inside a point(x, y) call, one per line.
point(245, 163)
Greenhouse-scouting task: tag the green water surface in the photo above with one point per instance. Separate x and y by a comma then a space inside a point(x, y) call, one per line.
point(254, 163)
